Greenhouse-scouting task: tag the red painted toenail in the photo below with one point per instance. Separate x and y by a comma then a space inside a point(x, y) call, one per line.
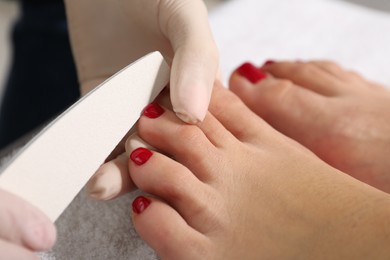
point(140, 155)
point(268, 62)
point(153, 110)
point(140, 204)
point(250, 72)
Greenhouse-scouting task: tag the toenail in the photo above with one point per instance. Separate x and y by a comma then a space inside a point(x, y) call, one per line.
point(250, 72)
point(140, 155)
point(268, 62)
point(140, 204)
point(153, 110)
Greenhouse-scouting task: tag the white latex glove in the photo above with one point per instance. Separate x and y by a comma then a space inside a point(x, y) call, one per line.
point(23, 229)
point(108, 35)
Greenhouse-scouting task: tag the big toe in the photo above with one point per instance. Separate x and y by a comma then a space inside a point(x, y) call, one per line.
point(289, 108)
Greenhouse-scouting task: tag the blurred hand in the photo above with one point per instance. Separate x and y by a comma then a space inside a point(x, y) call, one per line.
point(23, 229)
point(108, 35)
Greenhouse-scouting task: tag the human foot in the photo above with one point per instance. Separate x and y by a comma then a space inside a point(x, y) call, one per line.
point(343, 118)
point(238, 189)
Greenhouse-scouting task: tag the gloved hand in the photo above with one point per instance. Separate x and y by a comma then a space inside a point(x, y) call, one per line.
point(108, 35)
point(23, 229)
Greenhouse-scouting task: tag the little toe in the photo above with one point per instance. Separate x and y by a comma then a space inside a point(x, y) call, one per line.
point(164, 229)
point(308, 76)
point(111, 180)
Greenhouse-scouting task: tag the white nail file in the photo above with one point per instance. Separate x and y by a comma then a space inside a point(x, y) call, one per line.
point(50, 170)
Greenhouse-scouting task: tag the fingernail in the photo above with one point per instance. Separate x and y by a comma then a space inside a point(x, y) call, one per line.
point(140, 204)
point(140, 155)
point(250, 72)
point(153, 110)
point(268, 62)
point(187, 118)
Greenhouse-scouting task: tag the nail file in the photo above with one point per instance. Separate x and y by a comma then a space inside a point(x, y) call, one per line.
point(50, 170)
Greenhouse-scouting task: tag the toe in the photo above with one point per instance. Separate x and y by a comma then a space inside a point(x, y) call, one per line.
point(308, 76)
point(111, 180)
point(166, 231)
point(330, 67)
point(337, 71)
point(354, 80)
point(161, 176)
point(186, 143)
point(229, 109)
point(288, 108)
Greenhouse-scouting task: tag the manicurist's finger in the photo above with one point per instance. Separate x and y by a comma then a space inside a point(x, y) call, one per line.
point(195, 62)
point(24, 225)
point(11, 251)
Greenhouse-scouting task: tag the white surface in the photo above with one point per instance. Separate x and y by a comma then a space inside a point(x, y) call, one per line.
point(257, 30)
point(51, 170)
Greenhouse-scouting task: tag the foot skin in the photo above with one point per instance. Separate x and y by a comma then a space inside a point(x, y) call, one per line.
point(232, 187)
point(343, 118)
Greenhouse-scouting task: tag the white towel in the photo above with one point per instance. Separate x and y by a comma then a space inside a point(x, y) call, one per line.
point(257, 30)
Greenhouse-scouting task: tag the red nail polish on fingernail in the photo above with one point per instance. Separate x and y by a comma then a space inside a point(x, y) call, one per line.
point(140, 155)
point(140, 204)
point(268, 62)
point(153, 110)
point(250, 72)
